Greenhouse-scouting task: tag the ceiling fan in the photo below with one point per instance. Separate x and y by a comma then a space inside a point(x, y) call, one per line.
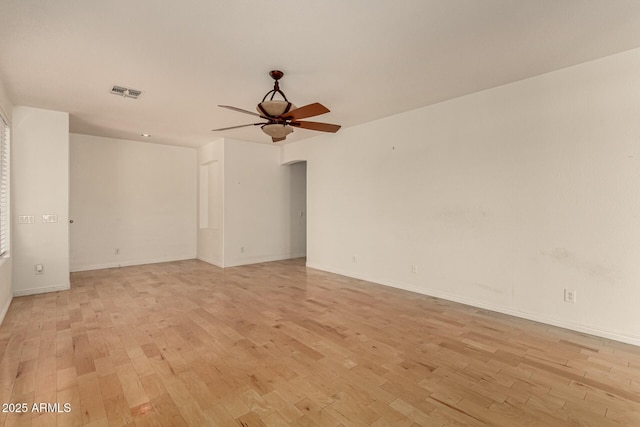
point(281, 115)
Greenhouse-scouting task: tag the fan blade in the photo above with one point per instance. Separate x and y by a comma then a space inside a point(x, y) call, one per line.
point(310, 110)
point(240, 126)
point(322, 127)
point(240, 110)
point(274, 139)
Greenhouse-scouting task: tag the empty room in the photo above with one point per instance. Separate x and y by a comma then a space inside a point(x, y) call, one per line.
point(337, 213)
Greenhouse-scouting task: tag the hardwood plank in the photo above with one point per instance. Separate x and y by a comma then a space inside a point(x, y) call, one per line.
point(91, 399)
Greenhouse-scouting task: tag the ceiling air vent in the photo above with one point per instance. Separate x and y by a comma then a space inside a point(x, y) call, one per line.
point(126, 92)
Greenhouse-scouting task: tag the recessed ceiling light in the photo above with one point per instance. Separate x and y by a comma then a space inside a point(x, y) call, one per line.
point(146, 135)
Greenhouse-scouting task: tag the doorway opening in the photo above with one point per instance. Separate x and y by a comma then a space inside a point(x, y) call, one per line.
point(298, 209)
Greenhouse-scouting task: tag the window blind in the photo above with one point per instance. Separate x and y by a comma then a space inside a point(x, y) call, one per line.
point(4, 187)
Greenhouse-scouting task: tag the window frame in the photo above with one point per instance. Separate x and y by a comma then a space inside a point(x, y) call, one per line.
point(5, 204)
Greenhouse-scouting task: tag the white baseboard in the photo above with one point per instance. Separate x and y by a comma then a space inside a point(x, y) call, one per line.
point(129, 263)
point(211, 261)
point(258, 260)
point(34, 291)
point(493, 307)
point(5, 309)
point(299, 255)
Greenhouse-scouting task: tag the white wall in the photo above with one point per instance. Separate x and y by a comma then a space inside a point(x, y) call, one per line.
point(210, 203)
point(250, 210)
point(40, 185)
point(6, 292)
point(134, 197)
point(258, 201)
point(501, 199)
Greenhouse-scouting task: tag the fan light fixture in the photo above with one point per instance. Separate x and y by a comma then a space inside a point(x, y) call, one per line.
point(275, 108)
point(276, 130)
point(282, 116)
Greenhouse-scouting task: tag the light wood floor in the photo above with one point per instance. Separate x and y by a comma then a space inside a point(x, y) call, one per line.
point(185, 343)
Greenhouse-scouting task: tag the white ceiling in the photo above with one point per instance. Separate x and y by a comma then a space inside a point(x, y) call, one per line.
point(363, 59)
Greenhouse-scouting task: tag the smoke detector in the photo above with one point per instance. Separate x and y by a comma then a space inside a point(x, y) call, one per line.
point(126, 92)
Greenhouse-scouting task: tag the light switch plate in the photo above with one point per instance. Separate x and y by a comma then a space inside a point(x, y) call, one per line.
point(26, 219)
point(49, 218)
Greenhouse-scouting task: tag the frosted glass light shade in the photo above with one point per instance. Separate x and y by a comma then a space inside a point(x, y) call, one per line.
point(277, 130)
point(275, 108)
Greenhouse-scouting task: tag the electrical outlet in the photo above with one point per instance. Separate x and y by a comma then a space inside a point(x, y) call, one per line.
point(353, 259)
point(242, 249)
point(570, 296)
point(39, 269)
point(116, 251)
point(414, 268)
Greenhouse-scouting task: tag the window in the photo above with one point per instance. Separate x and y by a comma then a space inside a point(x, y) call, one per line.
point(4, 187)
